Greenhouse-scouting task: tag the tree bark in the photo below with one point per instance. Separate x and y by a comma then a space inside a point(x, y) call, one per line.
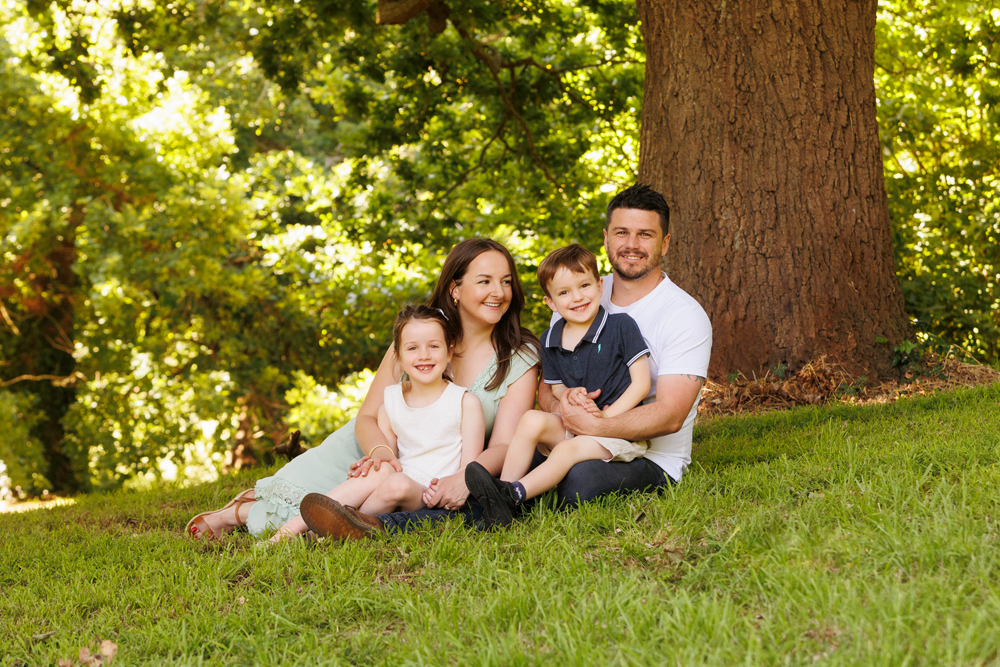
point(759, 127)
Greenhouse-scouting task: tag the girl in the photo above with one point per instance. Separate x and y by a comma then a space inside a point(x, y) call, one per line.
point(433, 427)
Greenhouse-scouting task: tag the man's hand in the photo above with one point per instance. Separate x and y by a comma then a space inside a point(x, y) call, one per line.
point(366, 463)
point(447, 492)
point(580, 414)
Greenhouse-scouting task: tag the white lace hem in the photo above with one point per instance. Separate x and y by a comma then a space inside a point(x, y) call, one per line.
point(280, 497)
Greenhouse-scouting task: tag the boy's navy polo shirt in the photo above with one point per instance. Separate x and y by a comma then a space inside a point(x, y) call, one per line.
point(601, 359)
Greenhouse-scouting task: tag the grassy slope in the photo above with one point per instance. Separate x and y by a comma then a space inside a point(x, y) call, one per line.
point(817, 536)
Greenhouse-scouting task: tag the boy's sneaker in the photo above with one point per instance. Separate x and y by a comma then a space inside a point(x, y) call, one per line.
point(497, 498)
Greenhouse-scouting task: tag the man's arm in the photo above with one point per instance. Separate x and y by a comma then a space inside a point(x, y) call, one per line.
point(546, 398)
point(675, 394)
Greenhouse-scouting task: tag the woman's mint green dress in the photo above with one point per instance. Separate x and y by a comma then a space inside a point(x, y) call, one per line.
point(321, 468)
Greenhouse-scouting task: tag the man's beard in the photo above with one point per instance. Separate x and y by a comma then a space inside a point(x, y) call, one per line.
point(637, 273)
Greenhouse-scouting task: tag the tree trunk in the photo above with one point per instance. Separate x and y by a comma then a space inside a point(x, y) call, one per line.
point(758, 126)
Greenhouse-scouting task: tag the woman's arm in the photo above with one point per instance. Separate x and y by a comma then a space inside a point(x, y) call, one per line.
point(473, 429)
point(379, 454)
point(385, 427)
point(450, 492)
point(366, 428)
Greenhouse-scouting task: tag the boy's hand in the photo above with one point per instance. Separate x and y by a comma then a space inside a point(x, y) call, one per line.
point(580, 397)
point(577, 414)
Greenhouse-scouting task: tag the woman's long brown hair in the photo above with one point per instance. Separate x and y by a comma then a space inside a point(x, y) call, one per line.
point(508, 336)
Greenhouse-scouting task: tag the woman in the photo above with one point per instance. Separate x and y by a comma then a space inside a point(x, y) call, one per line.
point(496, 358)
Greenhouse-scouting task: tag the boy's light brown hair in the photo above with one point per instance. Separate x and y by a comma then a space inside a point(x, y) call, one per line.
point(574, 257)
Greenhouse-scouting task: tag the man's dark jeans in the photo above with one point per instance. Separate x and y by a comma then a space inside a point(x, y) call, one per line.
point(584, 482)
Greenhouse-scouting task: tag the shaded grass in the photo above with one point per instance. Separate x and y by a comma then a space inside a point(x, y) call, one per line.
point(838, 535)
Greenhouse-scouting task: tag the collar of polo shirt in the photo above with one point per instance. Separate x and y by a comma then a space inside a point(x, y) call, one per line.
point(554, 337)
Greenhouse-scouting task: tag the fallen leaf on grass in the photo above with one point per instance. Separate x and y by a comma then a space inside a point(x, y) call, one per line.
point(242, 600)
point(88, 659)
point(42, 636)
point(109, 650)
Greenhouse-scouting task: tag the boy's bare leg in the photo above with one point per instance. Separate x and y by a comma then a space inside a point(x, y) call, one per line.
point(500, 497)
point(396, 491)
point(564, 456)
point(535, 428)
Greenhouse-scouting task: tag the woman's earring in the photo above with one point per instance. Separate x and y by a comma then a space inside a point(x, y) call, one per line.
point(455, 301)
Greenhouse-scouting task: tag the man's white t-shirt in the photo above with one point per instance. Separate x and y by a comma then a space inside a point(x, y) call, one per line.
point(679, 336)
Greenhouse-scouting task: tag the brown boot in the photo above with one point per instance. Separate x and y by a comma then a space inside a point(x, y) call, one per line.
point(328, 518)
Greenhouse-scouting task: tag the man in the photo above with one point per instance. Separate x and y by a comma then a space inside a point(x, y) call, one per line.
point(679, 336)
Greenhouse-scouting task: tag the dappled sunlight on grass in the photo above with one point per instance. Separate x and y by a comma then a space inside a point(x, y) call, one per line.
point(31, 505)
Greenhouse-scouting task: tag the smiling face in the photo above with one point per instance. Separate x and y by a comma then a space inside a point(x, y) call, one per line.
point(484, 292)
point(575, 296)
point(635, 243)
point(423, 353)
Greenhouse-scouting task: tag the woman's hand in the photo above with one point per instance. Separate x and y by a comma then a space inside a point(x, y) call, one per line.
point(447, 492)
point(366, 463)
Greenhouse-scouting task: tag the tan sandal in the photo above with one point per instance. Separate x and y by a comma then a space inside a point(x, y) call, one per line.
point(198, 527)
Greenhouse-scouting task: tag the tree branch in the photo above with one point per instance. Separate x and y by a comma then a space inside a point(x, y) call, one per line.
point(63, 343)
point(57, 380)
point(8, 320)
point(461, 179)
point(494, 67)
point(400, 11)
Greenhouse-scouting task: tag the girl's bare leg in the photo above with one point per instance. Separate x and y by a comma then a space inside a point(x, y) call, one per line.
point(398, 491)
point(353, 492)
point(535, 428)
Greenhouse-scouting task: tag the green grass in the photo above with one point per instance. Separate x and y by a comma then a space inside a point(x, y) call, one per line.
point(840, 535)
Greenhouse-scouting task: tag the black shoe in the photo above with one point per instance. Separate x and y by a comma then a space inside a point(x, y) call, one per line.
point(496, 497)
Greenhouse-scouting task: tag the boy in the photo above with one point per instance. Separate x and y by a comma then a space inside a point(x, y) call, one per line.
point(587, 349)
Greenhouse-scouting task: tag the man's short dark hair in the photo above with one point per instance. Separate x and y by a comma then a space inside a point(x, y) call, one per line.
point(573, 257)
point(643, 198)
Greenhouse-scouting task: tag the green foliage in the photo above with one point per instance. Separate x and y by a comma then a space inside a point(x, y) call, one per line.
point(938, 81)
point(317, 411)
point(907, 354)
point(836, 536)
point(853, 389)
point(22, 454)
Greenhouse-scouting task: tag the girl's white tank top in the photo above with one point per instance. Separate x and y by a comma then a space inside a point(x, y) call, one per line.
point(429, 439)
